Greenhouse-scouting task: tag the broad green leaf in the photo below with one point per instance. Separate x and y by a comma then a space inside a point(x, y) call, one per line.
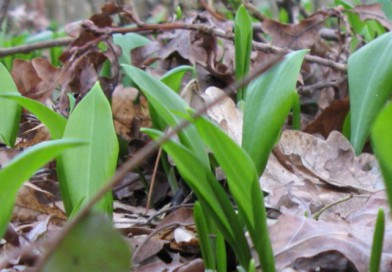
point(369, 78)
point(173, 78)
point(84, 171)
point(52, 120)
point(210, 194)
point(267, 103)
point(381, 142)
point(378, 239)
point(243, 183)
point(21, 168)
point(9, 110)
point(93, 245)
point(168, 105)
point(243, 32)
point(127, 42)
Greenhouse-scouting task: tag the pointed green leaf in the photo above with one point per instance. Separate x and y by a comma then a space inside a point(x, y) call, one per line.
point(204, 238)
point(378, 240)
point(93, 245)
point(369, 78)
point(210, 194)
point(243, 31)
point(127, 42)
point(21, 168)
point(52, 120)
point(9, 110)
point(84, 171)
point(381, 142)
point(168, 105)
point(173, 78)
point(267, 104)
point(244, 185)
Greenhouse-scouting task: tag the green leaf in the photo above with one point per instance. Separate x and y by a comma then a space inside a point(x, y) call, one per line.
point(52, 120)
point(127, 42)
point(93, 245)
point(167, 103)
point(267, 103)
point(381, 142)
point(369, 73)
point(84, 171)
point(378, 239)
point(22, 167)
point(9, 110)
point(244, 185)
point(243, 46)
point(203, 236)
point(210, 194)
point(173, 78)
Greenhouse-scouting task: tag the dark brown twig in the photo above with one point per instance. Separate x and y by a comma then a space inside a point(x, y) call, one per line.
point(173, 26)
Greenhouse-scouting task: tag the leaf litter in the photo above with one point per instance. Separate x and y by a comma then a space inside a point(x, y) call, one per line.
point(322, 200)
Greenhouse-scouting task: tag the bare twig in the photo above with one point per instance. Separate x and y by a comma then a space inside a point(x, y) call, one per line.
point(139, 157)
point(24, 49)
point(153, 178)
point(173, 26)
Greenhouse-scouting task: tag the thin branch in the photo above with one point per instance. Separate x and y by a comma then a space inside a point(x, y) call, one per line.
point(172, 26)
point(139, 157)
point(24, 49)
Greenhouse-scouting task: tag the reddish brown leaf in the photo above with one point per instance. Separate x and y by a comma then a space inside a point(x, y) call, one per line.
point(332, 118)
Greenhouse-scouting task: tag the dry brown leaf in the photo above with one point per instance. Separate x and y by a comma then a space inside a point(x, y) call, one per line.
point(32, 202)
point(332, 118)
point(306, 174)
point(295, 36)
point(128, 115)
point(296, 239)
point(331, 161)
point(34, 79)
point(225, 113)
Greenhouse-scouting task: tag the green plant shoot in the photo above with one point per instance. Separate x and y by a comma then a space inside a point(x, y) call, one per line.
point(9, 110)
point(84, 171)
point(243, 35)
